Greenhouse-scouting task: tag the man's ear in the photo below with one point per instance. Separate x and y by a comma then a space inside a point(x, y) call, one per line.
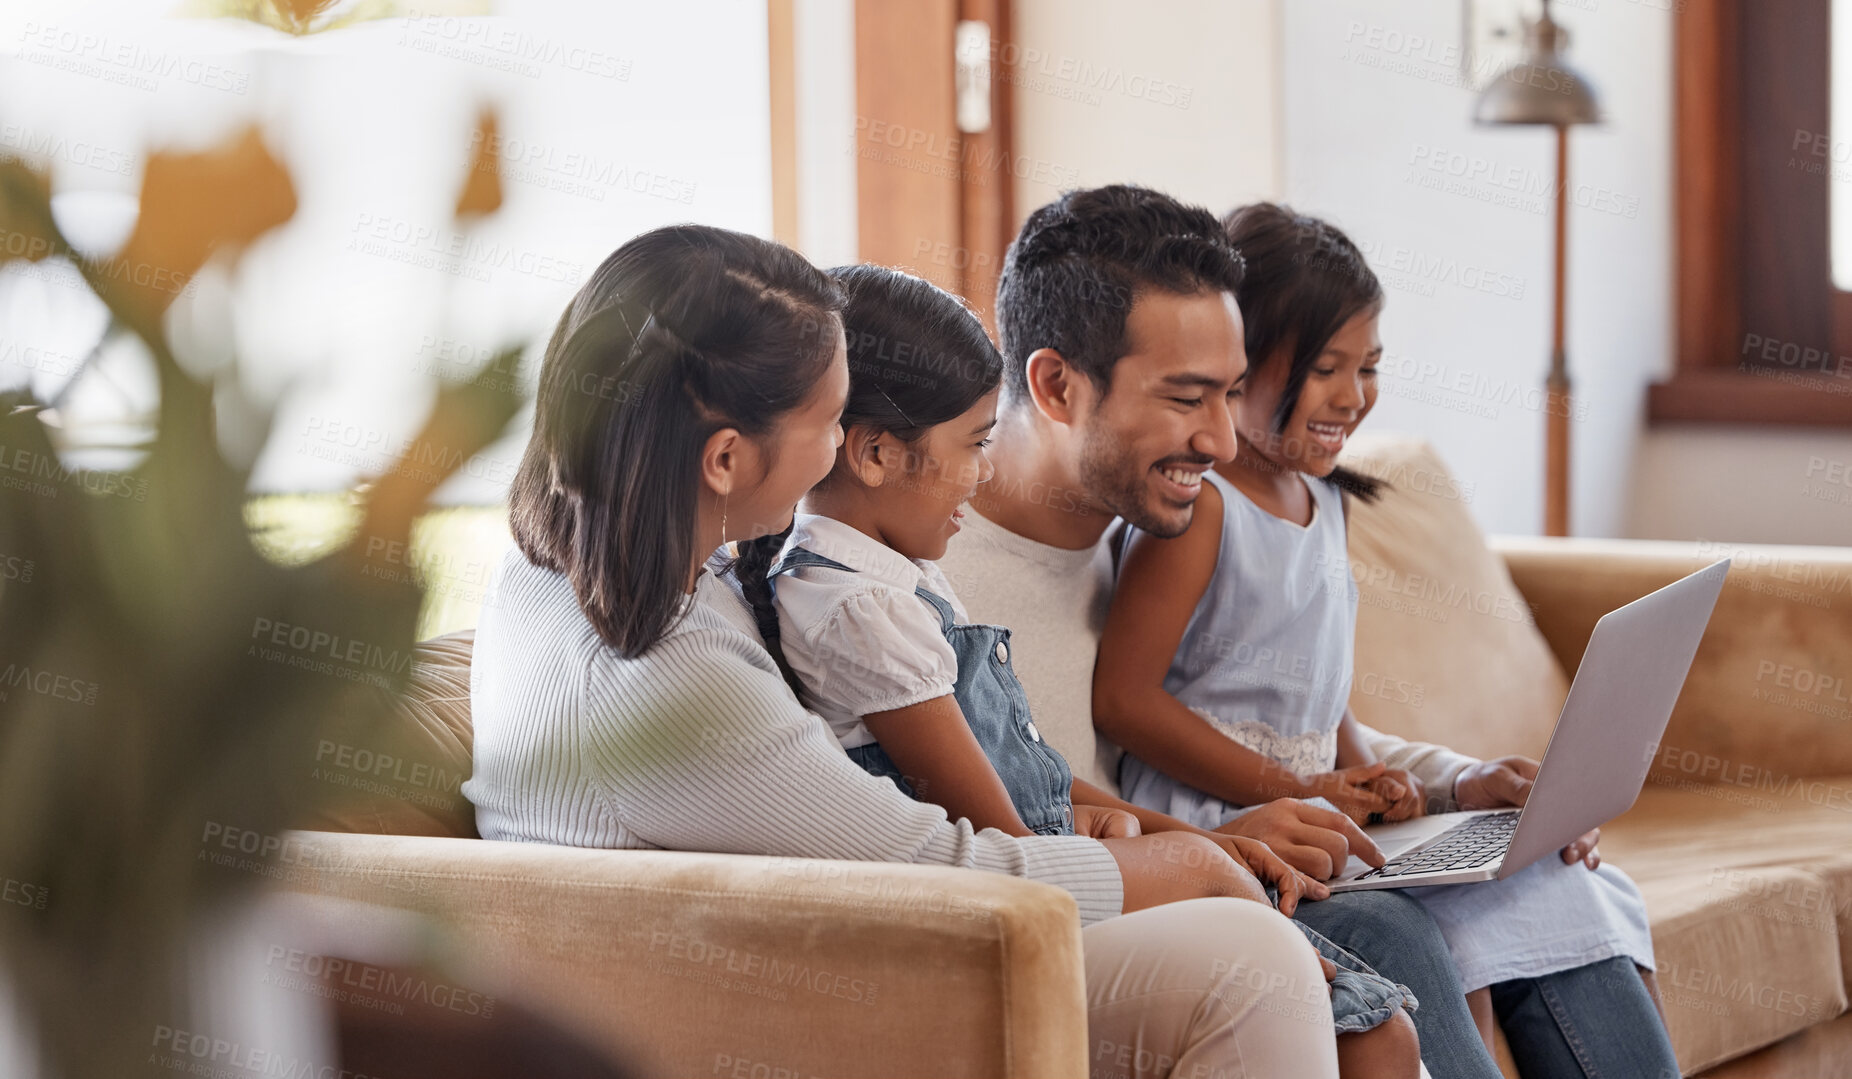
point(724, 460)
point(871, 455)
point(1053, 385)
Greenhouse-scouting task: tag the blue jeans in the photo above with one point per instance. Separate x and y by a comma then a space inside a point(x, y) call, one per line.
point(1592, 1022)
point(1397, 936)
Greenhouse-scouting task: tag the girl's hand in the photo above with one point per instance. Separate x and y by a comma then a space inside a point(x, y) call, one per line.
point(1507, 782)
point(1357, 792)
point(1102, 822)
point(1414, 798)
point(1268, 868)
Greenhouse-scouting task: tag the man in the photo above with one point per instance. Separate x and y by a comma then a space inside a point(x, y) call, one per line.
point(1122, 343)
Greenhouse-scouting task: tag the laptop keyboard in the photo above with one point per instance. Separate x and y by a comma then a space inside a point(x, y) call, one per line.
point(1467, 845)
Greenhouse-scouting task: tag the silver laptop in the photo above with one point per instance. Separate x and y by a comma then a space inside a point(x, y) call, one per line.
point(1595, 764)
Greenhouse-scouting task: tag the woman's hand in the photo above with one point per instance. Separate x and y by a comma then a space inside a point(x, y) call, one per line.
point(1269, 868)
point(1357, 792)
point(1103, 822)
point(1413, 801)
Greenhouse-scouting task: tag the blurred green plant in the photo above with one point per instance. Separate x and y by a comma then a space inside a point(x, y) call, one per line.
point(144, 702)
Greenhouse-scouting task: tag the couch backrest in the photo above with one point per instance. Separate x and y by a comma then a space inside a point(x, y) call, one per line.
point(401, 774)
point(1447, 650)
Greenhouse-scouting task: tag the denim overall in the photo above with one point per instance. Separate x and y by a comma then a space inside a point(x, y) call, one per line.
point(1034, 773)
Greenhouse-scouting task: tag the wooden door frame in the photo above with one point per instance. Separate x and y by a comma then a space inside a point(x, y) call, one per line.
point(930, 199)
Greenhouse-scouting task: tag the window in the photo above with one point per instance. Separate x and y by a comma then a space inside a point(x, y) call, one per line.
point(1764, 330)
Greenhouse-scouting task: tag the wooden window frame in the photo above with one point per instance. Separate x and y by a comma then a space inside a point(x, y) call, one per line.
point(1717, 258)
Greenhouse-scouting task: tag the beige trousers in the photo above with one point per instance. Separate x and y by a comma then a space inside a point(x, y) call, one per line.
point(1206, 989)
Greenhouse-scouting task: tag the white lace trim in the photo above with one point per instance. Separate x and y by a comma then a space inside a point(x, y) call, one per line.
point(1304, 754)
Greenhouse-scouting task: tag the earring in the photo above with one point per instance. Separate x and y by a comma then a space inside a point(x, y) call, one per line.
point(723, 520)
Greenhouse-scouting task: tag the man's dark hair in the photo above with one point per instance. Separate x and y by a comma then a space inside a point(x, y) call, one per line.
point(1072, 274)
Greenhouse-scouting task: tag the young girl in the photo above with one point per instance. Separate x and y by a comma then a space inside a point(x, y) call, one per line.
point(1225, 665)
point(872, 638)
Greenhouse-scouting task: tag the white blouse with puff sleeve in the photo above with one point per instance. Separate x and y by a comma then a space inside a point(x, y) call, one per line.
point(862, 641)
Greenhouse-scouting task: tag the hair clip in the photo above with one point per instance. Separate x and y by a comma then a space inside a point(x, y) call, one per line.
point(895, 407)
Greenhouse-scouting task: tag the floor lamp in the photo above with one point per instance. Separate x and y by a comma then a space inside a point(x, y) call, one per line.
point(1543, 89)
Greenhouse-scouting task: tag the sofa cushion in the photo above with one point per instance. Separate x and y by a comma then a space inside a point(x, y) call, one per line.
point(401, 774)
point(1750, 894)
point(1447, 651)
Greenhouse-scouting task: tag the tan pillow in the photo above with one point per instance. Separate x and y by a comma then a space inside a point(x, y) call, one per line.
point(401, 776)
point(1447, 651)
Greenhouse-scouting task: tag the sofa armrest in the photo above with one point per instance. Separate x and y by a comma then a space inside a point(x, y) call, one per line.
point(1770, 691)
point(714, 965)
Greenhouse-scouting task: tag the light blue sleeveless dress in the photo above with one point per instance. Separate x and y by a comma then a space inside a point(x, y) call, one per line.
point(1266, 658)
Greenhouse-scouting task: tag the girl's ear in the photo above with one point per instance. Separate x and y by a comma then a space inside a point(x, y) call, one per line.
point(725, 459)
point(869, 454)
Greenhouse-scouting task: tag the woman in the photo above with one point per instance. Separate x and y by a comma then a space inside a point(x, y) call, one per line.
point(690, 395)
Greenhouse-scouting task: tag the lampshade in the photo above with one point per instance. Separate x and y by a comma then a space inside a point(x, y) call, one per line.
point(1541, 88)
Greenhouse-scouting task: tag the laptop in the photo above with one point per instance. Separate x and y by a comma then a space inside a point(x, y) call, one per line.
point(1594, 766)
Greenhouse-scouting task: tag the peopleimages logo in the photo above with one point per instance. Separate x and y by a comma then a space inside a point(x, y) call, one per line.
point(367, 985)
point(126, 63)
point(751, 972)
point(1479, 177)
point(1444, 269)
point(46, 683)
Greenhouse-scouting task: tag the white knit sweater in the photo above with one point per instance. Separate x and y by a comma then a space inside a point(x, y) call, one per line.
point(698, 745)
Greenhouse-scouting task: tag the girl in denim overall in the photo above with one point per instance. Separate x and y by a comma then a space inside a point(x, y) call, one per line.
point(869, 633)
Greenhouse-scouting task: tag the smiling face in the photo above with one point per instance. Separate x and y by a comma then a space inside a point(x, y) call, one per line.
point(917, 507)
point(1167, 416)
point(1338, 392)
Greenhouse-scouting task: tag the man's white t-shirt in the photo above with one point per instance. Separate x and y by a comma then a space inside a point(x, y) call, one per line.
point(1054, 602)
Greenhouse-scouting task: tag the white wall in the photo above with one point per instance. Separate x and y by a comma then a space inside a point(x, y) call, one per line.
point(1378, 137)
point(1456, 220)
point(614, 118)
point(1180, 96)
point(1743, 485)
point(824, 58)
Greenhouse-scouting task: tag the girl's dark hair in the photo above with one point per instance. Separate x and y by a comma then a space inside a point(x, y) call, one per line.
point(683, 331)
point(917, 358)
point(1305, 279)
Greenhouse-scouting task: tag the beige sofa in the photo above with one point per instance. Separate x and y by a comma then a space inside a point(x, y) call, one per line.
point(706, 964)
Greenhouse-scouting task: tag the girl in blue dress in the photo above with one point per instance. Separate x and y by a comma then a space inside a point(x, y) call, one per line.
point(1225, 666)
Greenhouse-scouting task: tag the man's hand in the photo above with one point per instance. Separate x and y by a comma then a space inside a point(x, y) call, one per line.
point(1409, 794)
point(1507, 782)
point(1102, 822)
point(1312, 840)
point(1268, 868)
